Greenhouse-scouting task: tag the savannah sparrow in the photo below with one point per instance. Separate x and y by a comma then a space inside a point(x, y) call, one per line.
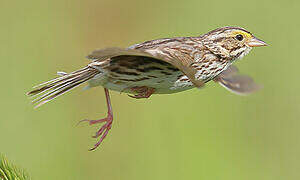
point(161, 66)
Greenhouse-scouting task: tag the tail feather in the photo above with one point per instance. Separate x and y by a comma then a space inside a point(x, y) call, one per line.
point(63, 86)
point(56, 88)
point(61, 73)
point(58, 83)
point(49, 90)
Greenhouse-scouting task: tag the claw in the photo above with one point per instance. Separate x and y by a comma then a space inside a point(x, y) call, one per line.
point(142, 92)
point(84, 120)
point(100, 141)
point(137, 96)
point(91, 122)
point(103, 131)
point(106, 126)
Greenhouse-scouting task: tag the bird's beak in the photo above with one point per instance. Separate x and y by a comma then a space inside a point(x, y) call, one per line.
point(255, 42)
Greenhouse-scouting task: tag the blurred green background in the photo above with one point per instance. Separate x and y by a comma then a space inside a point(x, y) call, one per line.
point(198, 134)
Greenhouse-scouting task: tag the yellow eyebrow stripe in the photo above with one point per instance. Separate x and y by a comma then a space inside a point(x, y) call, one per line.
point(245, 34)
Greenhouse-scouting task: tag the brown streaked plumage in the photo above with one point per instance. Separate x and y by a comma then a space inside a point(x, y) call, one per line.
point(161, 66)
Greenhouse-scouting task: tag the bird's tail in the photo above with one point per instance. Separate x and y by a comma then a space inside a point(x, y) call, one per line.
point(49, 90)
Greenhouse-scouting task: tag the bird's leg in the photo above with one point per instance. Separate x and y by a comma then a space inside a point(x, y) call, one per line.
point(108, 122)
point(142, 92)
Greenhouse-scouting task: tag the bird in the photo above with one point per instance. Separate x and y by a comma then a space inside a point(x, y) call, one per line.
point(161, 66)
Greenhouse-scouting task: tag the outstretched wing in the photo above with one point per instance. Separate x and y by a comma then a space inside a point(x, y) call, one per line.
point(178, 61)
point(236, 83)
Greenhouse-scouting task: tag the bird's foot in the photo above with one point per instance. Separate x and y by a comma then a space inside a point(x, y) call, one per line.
point(103, 131)
point(142, 92)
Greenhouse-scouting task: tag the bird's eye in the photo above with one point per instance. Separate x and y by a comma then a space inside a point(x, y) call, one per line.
point(239, 37)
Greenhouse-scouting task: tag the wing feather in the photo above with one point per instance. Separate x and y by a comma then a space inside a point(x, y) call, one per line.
point(104, 54)
point(236, 83)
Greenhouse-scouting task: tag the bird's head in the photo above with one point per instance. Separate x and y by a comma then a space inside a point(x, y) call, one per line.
point(231, 42)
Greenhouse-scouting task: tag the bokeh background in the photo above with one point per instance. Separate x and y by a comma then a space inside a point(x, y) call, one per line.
point(198, 134)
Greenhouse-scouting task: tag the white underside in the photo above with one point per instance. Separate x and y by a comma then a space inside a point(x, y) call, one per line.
point(162, 85)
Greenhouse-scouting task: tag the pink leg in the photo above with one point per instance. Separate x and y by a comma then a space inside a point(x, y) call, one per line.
point(107, 126)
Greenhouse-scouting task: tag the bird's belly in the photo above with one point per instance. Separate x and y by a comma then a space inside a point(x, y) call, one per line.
point(163, 84)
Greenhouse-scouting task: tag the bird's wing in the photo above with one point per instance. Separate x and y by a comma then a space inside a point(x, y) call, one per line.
point(236, 83)
point(177, 61)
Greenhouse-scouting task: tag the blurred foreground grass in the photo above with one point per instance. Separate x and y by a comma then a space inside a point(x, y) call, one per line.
point(9, 171)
